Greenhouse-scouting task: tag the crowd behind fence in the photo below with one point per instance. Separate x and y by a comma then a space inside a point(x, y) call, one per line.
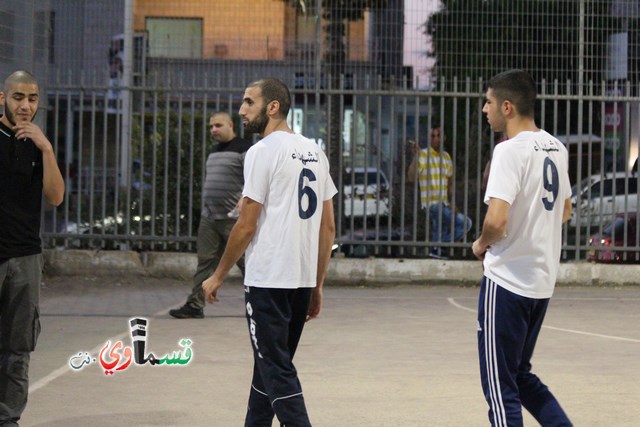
point(134, 170)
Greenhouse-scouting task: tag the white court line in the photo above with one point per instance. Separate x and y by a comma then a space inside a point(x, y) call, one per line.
point(611, 337)
point(462, 307)
point(571, 331)
point(43, 382)
point(65, 368)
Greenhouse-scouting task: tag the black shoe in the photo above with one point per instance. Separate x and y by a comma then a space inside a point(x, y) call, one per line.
point(437, 254)
point(187, 312)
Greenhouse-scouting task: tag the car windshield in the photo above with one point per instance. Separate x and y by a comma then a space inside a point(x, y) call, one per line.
point(606, 188)
point(372, 178)
point(582, 184)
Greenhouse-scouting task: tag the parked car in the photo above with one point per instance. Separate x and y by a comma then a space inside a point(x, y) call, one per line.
point(600, 196)
point(366, 192)
point(603, 247)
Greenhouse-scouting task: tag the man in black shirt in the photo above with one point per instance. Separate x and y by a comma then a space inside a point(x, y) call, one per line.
point(221, 193)
point(28, 170)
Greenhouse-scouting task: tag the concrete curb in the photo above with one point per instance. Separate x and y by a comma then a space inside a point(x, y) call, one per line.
point(353, 271)
point(71, 262)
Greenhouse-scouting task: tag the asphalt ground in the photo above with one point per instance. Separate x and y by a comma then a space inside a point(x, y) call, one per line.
point(377, 356)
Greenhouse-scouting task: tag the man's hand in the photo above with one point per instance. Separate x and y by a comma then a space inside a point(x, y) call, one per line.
point(210, 288)
point(315, 305)
point(32, 131)
point(494, 227)
point(52, 182)
point(478, 250)
point(413, 146)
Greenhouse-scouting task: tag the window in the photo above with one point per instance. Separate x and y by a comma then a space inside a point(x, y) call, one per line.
point(621, 182)
point(174, 37)
point(605, 188)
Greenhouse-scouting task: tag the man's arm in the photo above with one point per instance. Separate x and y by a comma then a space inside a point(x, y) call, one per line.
point(411, 173)
point(52, 182)
point(239, 238)
point(566, 214)
point(327, 237)
point(493, 228)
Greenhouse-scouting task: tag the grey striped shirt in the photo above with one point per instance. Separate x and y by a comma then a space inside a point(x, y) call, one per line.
point(224, 178)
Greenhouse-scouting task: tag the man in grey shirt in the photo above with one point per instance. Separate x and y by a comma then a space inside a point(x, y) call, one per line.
point(220, 194)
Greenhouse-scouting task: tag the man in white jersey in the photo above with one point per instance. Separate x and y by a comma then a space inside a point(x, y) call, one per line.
point(286, 225)
point(528, 194)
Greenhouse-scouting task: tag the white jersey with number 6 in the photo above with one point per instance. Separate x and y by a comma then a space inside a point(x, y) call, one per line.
point(530, 172)
point(289, 175)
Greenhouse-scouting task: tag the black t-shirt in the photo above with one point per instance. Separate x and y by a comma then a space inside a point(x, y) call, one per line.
point(20, 195)
point(237, 145)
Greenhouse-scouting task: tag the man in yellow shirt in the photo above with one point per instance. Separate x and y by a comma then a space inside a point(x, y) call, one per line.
point(434, 168)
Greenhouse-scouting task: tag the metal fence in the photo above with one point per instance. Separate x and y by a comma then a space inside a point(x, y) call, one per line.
point(152, 201)
point(131, 84)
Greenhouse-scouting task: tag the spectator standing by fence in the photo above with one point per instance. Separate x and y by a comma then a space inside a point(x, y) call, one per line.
point(221, 195)
point(28, 170)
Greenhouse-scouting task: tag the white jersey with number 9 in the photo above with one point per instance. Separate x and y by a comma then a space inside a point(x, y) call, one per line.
point(530, 172)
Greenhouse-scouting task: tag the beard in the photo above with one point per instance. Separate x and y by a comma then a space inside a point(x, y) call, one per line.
point(9, 115)
point(259, 124)
point(11, 118)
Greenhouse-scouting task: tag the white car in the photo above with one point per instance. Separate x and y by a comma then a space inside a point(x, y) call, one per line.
point(366, 192)
point(598, 197)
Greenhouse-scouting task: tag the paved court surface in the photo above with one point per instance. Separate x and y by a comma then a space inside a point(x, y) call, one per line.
point(386, 356)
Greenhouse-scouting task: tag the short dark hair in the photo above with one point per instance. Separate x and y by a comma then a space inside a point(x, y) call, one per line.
point(224, 114)
point(516, 86)
point(19, 77)
point(274, 90)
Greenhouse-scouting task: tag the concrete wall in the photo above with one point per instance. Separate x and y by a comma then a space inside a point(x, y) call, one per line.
point(341, 270)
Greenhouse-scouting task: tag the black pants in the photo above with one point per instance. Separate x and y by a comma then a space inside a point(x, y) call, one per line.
point(276, 318)
point(19, 330)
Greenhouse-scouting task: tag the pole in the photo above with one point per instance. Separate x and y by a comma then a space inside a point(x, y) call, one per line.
point(125, 96)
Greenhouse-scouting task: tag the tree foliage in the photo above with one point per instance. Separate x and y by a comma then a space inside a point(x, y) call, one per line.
point(479, 38)
point(172, 152)
point(561, 42)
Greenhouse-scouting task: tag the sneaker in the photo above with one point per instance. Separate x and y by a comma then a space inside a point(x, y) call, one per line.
point(437, 254)
point(187, 312)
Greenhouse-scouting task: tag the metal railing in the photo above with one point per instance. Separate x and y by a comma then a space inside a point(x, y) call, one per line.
point(134, 169)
